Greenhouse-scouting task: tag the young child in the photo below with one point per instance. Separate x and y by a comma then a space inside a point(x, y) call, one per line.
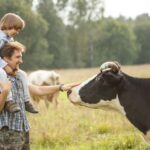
point(10, 25)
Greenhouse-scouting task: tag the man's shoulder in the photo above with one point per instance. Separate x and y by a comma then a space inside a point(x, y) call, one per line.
point(22, 72)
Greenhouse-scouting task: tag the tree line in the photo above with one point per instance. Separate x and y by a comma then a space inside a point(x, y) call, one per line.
point(88, 39)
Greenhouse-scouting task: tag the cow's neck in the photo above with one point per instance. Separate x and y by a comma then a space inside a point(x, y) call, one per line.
point(115, 105)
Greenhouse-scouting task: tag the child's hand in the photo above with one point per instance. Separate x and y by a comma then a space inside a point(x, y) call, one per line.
point(5, 85)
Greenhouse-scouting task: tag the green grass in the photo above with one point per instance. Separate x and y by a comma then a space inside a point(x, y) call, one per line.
point(70, 127)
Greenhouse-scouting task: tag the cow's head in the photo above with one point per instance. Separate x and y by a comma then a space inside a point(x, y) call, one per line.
point(100, 90)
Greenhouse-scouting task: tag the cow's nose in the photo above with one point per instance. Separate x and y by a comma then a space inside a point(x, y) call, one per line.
point(69, 92)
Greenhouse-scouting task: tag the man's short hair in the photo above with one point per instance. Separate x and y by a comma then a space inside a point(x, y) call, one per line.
point(9, 49)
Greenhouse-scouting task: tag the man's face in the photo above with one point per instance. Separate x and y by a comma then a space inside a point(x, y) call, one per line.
point(15, 60)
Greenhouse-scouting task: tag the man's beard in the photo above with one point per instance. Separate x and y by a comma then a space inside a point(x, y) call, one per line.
point(16, 69)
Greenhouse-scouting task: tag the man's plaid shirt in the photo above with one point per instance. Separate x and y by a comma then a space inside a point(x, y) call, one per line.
point(15, 121)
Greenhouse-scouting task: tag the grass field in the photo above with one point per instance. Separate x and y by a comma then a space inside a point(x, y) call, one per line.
point(70, 127)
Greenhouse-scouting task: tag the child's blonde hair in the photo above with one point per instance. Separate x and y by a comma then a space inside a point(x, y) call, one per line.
point(11, 21)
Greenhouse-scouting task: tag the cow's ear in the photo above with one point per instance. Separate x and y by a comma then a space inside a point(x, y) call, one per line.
point(112, 77)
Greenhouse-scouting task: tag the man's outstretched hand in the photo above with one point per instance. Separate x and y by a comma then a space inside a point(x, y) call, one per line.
point(66, 87)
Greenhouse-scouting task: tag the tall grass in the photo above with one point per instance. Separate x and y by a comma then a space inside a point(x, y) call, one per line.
point(70, 127)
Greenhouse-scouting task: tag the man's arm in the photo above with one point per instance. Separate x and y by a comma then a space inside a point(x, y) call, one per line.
point(43, 90)
point(46, 90)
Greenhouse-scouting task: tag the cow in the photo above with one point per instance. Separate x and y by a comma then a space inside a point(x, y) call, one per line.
point(113, 89)
point(41, 78)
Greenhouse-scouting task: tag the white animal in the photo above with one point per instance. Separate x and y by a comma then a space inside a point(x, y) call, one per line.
point(45, 77)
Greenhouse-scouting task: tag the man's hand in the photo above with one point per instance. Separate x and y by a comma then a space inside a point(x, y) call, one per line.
point(69, 86)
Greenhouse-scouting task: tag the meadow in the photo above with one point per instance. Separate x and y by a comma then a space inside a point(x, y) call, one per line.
point(70, 127)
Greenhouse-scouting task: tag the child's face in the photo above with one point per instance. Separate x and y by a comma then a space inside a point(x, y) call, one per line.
point(13, 32)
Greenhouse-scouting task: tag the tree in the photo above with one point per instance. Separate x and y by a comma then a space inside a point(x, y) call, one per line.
point(56, 34)
point(33, 34)
point(116, 42)
point(82, 17)
point(142, 32)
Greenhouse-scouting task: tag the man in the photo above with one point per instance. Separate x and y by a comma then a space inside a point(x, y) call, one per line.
point(14, 127)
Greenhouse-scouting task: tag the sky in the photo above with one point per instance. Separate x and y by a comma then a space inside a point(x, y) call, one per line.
point(115, 8)
point(127, 8)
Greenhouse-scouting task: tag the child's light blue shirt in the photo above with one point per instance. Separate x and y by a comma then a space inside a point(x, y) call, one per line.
point(4, 38)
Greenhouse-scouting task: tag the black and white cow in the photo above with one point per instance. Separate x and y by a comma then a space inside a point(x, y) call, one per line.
point(112, 88)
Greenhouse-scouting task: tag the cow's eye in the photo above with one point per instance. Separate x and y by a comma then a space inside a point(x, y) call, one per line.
point(97, 78)
point(101, 80)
